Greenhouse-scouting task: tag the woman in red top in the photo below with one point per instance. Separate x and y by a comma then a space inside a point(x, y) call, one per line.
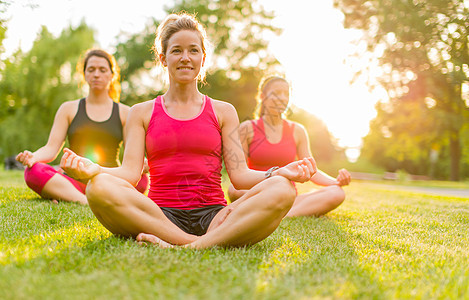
point(272, 140)
point(186, 135)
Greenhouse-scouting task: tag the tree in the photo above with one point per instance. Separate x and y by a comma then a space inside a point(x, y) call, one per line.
point(424, 43)
point(136, 60)
point(401, 136)
point(3, 6)
point(34, 84)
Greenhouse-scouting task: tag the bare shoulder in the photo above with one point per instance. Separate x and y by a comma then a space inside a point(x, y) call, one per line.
point(246, 125)
point(142, 111)
point(299, 132)
point(297, 127)
point(148, 105)
point(246, 131)
point(123, 112)
point(68, 108)
point(70, 105)
point(124, 107)
point(225, 112)
point(223, 106)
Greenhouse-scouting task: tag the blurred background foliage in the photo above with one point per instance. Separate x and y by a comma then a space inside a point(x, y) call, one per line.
point(422, 50)
point(423, 128)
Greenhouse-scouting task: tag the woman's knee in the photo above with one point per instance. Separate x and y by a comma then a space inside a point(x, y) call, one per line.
point(337, 194)
point(97, 190)
point(283, 190)
point(38, 175)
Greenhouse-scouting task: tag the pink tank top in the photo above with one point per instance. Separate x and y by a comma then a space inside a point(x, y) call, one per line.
point(185, 158)
point(263, 155)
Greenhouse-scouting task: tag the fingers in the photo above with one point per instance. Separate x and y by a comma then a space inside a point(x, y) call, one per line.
point(309, 167)
point(66, 150)
point(344, 177)
point(26, 158)
point(303, 172)
point(64, 161)
point(69, 160)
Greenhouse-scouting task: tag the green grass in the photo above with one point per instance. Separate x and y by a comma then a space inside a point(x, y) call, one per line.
point(379, 244)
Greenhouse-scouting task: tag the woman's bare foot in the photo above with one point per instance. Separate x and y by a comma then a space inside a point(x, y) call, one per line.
point(145, 238)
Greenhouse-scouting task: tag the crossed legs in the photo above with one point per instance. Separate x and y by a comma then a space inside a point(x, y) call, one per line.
point(316, 203)
point(58, 187)
point(49, 183)
point(124, 211)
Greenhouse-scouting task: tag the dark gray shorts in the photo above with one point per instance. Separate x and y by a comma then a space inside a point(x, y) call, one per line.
point(193, 221)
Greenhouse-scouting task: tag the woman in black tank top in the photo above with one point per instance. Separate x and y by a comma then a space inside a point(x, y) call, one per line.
point(93, 125)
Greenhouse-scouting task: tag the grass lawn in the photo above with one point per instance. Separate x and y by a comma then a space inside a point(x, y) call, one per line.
point(379, 244)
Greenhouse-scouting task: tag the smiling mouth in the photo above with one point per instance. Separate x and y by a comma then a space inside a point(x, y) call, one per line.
point(185, 68)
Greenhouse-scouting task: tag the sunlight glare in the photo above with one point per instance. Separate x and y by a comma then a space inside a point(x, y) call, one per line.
point(312, 49)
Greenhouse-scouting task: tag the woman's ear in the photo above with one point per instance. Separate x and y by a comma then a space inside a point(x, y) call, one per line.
point(262, 96)
point(163, 60)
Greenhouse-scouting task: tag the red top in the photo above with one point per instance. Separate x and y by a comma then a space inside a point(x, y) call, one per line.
point(263, 155)
point(185, 158)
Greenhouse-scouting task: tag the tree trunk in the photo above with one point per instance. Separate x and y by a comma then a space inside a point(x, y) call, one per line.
point(455, 155)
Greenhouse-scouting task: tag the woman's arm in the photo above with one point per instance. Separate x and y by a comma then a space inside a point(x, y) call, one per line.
point(57, 136)
point(240, 175)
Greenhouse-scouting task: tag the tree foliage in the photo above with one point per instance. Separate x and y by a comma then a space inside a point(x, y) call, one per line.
point(136, 60)
point(3, 21)
point(424, 55)
point(34, 84)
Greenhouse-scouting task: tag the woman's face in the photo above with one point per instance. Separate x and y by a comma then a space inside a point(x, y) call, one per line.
point(184, 56)
point(275, 97)
point(98, 74)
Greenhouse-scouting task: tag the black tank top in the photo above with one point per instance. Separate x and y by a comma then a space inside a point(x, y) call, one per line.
point(97, 141)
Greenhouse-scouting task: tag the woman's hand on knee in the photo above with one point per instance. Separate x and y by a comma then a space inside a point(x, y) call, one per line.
point(78, 167)
point(344, 177)
point(26, 158)
point(299, 171)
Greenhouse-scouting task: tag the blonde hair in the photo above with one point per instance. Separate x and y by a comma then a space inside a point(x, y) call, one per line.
point(115, 86)
point(174, 23)
point(263, 84)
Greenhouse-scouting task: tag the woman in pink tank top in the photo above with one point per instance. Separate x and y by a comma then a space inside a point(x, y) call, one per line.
point(272, 140)
point(186, 135)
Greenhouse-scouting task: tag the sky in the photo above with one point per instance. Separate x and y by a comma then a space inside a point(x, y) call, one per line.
point(312, 49)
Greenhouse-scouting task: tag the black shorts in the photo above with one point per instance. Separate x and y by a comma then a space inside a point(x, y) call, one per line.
point(193, 221)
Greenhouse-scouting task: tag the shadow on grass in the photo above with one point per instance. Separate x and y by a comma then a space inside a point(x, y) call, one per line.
point(305, 257)
point(313, 258)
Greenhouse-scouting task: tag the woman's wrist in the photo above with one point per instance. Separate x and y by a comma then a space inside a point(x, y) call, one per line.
point(100, 170)
point(271, 172)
